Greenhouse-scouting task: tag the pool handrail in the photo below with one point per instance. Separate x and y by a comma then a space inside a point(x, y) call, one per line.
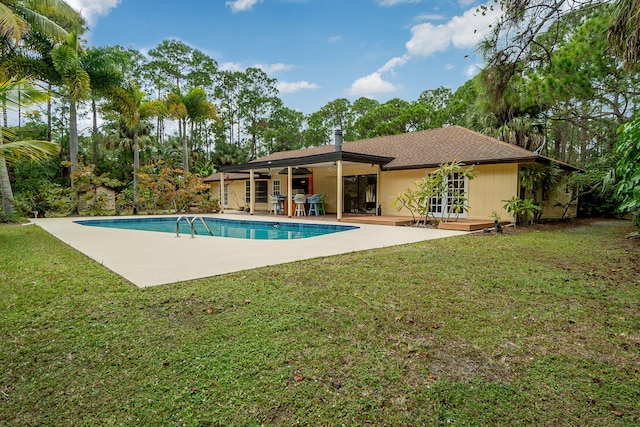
point(203, 223)
point(191, 225)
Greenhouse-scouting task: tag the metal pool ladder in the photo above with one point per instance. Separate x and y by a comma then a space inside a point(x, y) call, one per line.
point(191, 225)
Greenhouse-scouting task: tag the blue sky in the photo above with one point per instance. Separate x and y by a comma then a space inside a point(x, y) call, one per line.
point(318, 50)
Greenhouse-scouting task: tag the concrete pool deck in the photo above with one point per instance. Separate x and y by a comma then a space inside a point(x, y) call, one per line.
point(148, 258)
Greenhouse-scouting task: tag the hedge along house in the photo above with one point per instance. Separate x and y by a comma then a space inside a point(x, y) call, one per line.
point(365, 176)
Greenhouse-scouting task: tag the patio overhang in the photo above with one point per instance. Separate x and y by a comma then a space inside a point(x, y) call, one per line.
point(318, 160)
point(337, 158)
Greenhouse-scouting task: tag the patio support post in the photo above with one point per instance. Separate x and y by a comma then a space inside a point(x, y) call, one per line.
point(289, 189)
point(222, 201)
point(339, 190)
point(252, 192)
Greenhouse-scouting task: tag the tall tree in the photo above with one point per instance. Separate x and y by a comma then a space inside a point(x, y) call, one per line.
point(227, 91)
point(130, 103)
point(200, 112)
point(13, 94)
point(284, 130)
point(104, 65)
point(257, 100)
point(43, 20)
point(189, 109)
point(76, 82)
point(317, 132)
point(174, 64)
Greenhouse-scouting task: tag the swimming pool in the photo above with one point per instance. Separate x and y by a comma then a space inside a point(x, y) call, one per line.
point(220, 227)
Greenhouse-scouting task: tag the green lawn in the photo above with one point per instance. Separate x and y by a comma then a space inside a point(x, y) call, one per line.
point(534, 328)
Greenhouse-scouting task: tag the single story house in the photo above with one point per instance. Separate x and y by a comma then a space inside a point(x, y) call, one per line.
point(365, 176)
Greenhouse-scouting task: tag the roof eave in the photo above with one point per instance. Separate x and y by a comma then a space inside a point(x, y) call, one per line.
point(534, 158)
point(308, 160)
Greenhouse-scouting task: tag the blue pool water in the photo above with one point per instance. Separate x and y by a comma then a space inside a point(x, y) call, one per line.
point(239, 229)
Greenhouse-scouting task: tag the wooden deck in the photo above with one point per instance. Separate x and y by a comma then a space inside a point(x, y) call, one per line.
point(377, 220)
point(459, 224)
point(468, 224)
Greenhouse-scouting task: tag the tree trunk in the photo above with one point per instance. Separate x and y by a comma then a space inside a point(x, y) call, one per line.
point(73, 139)
point(185, 149)
point(49, 131)
point(94, 135)
point(5, 183)
point(7, 194)
point(136, 166)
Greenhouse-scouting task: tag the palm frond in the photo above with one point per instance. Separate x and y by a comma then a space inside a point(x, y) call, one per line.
point(34, 150)
point(22, 92)
point(12, 26)
point(45, 15)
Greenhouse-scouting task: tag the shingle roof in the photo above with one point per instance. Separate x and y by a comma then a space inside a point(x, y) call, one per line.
point(427, 148)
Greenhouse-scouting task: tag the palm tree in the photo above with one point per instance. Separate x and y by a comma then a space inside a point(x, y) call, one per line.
point(177, 110)
point(129, 102)
point(12, 94)
point(199, 111)
point(17, 19)
point(76, 80)
point(191, 108)
point(104, 66)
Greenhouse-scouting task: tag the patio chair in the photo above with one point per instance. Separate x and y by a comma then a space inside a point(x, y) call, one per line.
point(313, 204)
point(274, 204)
point(321, 210)
point(300, 200)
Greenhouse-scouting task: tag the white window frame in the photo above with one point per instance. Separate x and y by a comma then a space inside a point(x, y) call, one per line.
point(275, 189)
point(440, 205)
point(226, 195)
point(260, 183)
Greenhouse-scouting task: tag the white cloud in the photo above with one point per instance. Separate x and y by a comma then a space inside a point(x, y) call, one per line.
point(388, 3)
point(274, 68)
point(289, 87)
point(241, 5)
point(427, 39)
point(92, 9)
point(335, 39)
point(463, 32)
point(449, 67)
point(231, 66)
point(267, 68)
point(428, 17)
point(391, 64)
point(371, 84)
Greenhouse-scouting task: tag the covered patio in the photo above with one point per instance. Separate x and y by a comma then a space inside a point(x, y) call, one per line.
point(320, 160)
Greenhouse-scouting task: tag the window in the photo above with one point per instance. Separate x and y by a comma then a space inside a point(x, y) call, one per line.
point(226, 195)
point(454, 195)
point(276, 187)
point(261, 191)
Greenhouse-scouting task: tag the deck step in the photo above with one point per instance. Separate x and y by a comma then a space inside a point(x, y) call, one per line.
point(468, 225)
point(376, 220)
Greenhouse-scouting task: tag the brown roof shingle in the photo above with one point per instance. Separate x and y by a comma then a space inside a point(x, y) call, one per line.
point(426, 148)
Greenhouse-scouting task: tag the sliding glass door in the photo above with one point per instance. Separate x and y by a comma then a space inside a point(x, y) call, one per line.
point(360, 193)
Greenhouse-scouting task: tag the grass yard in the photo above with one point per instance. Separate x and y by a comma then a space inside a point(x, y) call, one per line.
point(533, 328)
